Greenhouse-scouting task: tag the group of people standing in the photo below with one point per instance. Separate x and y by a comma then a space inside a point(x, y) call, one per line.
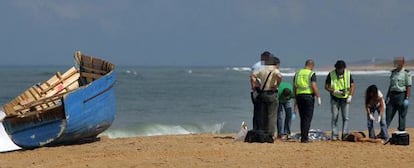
point(272, 98)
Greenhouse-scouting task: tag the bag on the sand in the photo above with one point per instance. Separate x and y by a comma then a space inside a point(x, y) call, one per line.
point(400, 138)
point(258, 136)
point(242, 133)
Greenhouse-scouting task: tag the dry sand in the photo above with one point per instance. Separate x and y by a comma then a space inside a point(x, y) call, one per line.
point(211, 150)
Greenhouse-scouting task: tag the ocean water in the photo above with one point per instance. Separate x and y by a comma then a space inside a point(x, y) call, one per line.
point(183, 100)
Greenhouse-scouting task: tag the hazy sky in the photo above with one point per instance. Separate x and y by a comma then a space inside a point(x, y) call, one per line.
point(204, 32)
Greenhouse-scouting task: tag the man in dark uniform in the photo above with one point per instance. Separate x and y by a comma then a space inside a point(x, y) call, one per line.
point(305, 90)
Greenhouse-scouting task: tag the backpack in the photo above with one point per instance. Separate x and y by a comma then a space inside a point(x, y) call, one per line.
point(259, 136)
point(399, 138)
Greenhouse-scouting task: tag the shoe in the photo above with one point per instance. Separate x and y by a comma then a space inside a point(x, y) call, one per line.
point(288, 137)
point(276, 137)
point(284, 137)
point(305, 141)
point(379, 136)
point(334, 138)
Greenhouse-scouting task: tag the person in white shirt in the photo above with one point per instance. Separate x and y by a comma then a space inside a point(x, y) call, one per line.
point(266, 103)
point(374, 103)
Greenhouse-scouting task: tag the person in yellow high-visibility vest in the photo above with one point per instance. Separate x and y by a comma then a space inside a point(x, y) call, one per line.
point(340, 84)
point(305, 90)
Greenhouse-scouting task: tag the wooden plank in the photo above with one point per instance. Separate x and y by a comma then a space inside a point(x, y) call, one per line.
point(45, 86)
point(69, 72)
point(26, 98)
point(39, 102)
point(48, 100)
point(37, 91)
point(92, 70)
point(72, 86)
point(56, 79)
point(33, 93)
point(51, 81)
point(36, 96)
point(65, 76)
point(8, 109)
point(91, 75)
point(64, 84)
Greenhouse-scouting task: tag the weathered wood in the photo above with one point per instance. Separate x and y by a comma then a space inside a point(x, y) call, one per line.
point(48, 94)
point(61, 87)
point(57, 80)
point(92, 76)
point(42, 101)
point(92, 70)
point(39, 98)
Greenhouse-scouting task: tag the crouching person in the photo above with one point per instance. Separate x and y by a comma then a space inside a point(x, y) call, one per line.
point(374, 103)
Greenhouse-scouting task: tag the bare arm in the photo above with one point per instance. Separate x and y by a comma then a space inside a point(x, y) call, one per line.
point(408, 91)
point(294, 91)
point(278, 80)
point(367, 109)
point(315, 89)
point(388, 93)
point(328, 85)
point(352, 89)
point(294, 86)
point(295, 104)
point(382, 106)
point(328, 88)
point(253, 83)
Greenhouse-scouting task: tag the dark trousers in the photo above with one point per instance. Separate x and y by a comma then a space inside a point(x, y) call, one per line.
point(265, 109)
point(305, 106)
point(395, 104)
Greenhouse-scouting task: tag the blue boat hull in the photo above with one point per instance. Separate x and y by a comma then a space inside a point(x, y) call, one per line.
point(88, 111)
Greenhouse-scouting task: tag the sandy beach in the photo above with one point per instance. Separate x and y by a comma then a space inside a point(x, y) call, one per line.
point(211, 150)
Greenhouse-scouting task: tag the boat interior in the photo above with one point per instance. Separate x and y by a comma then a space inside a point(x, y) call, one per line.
point(44, 101)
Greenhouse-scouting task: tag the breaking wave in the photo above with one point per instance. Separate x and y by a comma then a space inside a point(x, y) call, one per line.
point(162, 129)
point(291, 71)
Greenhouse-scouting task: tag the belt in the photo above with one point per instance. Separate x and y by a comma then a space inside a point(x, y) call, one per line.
point(397, 92)
point(306, 94)
point(269, 91)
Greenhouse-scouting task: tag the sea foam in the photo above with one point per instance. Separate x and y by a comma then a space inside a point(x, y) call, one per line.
point(162, 129)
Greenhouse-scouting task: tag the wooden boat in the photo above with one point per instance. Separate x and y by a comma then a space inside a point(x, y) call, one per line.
point(68, 107)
